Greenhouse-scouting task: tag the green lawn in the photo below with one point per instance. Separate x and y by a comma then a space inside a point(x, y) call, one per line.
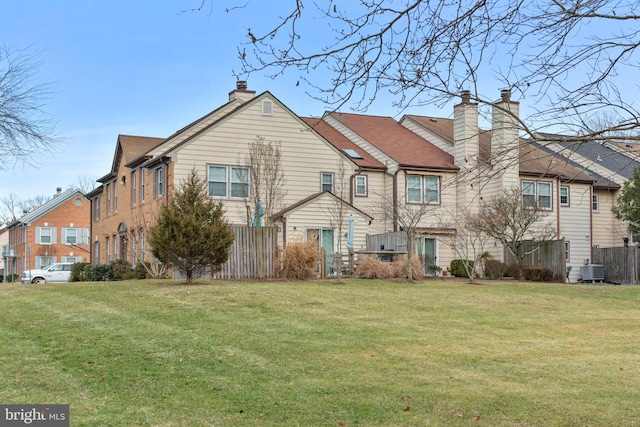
point(365, 353)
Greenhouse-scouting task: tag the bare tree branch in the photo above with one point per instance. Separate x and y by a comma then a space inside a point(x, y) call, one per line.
point(568, 60)
point(25, 129)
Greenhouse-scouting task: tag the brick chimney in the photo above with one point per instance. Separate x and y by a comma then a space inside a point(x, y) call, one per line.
point(240, 93)
point(505, 142)
point(466, 148)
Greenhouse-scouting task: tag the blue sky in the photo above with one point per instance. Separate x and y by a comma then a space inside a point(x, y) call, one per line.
point(128, 67)
point(149, 68)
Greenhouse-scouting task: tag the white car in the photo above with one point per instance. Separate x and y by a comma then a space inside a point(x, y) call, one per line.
point(52, 273)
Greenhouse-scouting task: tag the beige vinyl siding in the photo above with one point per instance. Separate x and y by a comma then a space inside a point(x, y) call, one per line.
point(574, 224)
point(378, 192)
point(319, 214)
point(608, 231)
point(304, 155)
point(193, 129)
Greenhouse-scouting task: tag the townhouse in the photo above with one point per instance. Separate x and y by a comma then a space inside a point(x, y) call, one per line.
point(56, 231)
point(613, 163)
point(340, 167)
point(145, 172)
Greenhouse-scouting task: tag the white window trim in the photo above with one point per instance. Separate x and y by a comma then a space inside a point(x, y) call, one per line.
point(423, 189)
point(229, 182)
point(134, 187)
point(568, 202)
point(322, 183)
point(267, 107)
point(366, 187)
point(65, 236)
point(51, 239)
point(142, 185)
point(595, 201)
point(536, 193)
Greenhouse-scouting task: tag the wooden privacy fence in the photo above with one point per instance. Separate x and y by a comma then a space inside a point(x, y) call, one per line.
point(252, 255)
point(550, 255)
point(392, 241)
point(620, 264)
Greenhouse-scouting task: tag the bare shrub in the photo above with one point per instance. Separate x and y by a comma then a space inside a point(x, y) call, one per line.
point(495, 269)
point(400, 269)
point(299, 260)
point(374, 268)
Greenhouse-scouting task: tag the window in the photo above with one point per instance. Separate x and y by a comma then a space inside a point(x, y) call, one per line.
point(432, 189)
point(134, 188)
point(141, 244)
point(544, 195)
point(96, 252)
point(327, 182)
point(158, 182)
point(141, 186)
point(414, 189)
point(567, 250)
point(228, 181)
point(267, 107)
point(115, 197)
point(70, 236)
point(108, 250)
point(239, 182)
point(536, 194)
point(96, 207)
point(564, 196)
point(423, 189)
point(45, 235)
point(70, 259)
point(361, 185)
point(115, 248)
point(595, 205)
point(134, 247)
point(108, 199)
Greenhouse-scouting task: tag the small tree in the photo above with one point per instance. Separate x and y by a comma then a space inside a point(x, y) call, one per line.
point(468, 242)
point(627, 206)
point(508, 220)
point(191, 233)
point(268, 190)
point(407, 217)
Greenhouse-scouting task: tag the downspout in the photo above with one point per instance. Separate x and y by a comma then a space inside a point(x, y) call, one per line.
point(353, 175)
point(558, 208)
point(166, 192)
point(395, 200)
point(591, 224)
point(92, 218)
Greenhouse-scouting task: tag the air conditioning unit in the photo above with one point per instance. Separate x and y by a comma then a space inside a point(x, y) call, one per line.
point(592, 273)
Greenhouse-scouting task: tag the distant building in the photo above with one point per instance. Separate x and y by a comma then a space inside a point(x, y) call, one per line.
point(57, 231)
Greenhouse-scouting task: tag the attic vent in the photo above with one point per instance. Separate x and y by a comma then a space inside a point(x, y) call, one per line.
point(352, 153)
point(267, 107)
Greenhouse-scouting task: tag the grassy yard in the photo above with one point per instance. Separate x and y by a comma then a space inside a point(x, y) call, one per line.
point(365, 353)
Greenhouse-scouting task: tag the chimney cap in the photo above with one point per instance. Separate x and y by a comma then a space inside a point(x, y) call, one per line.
point(241, 85)
point(466, 96)
point(505, 95)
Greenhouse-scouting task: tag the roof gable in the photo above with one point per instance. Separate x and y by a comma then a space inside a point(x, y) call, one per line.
point(47, 207)
point(313, 199)
point(128, 149)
